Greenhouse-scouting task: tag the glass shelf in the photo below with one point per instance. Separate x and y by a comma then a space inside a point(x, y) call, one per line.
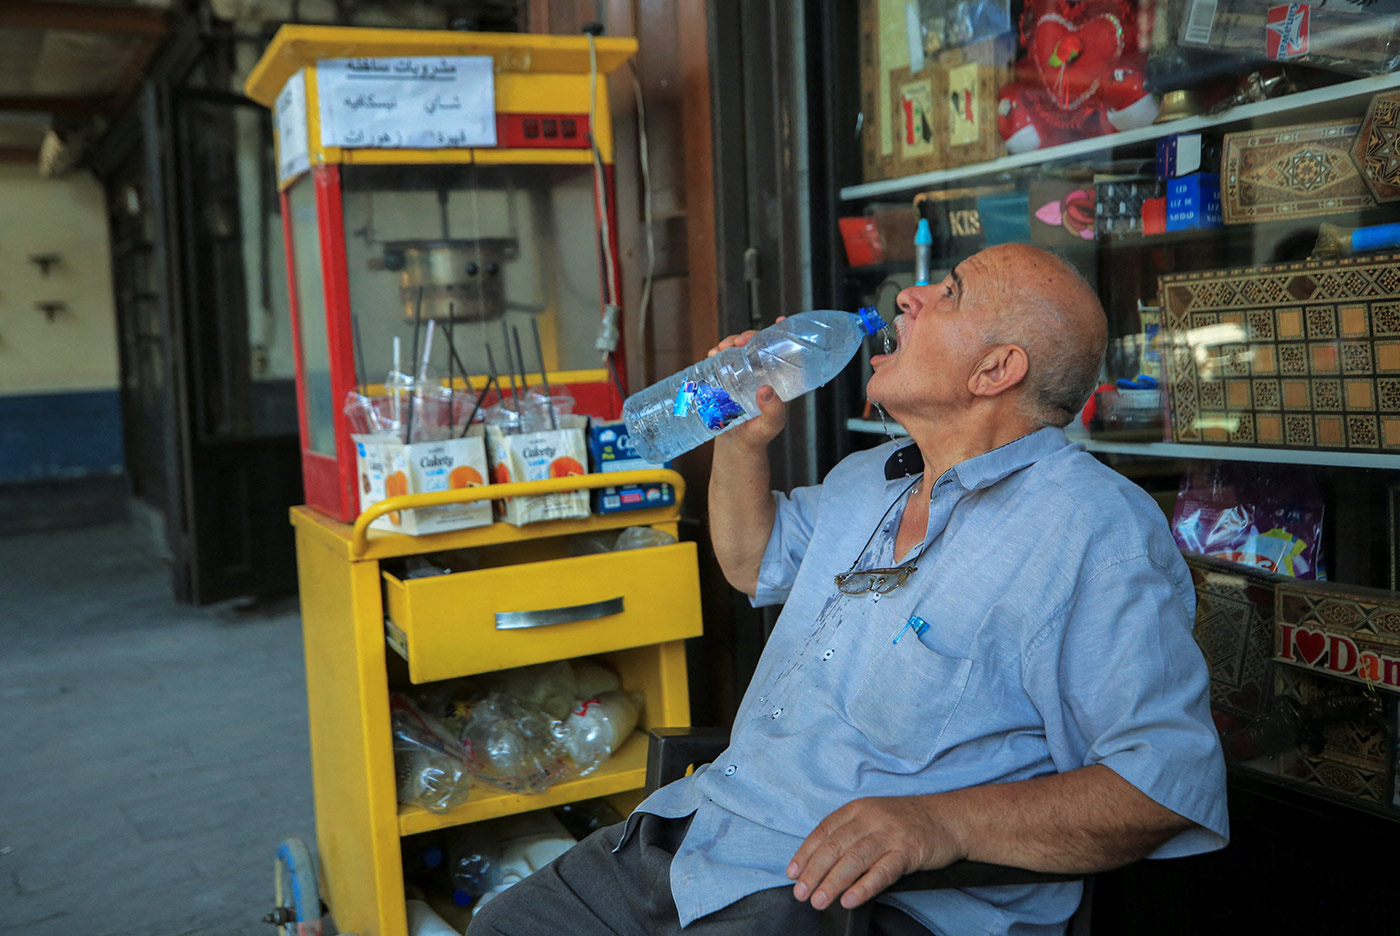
point(1212, 452)
point(1323, 101)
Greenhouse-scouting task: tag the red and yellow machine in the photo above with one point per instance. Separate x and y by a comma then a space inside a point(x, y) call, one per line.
point(464, 178)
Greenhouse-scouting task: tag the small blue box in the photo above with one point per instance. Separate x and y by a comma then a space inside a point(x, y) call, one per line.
point(1180, 155)
point(1194, 202)
point(610, 450)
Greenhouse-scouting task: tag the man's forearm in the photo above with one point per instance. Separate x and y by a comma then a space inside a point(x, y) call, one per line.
point(741, 510)
point(1085, 820)
point(1082, 821)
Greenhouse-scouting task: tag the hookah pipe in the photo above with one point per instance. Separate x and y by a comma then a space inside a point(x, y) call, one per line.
point(1288, 724)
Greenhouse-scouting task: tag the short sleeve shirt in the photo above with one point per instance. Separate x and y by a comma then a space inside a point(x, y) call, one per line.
point(1059, 616)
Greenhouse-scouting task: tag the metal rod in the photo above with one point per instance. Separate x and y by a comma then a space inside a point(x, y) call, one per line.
point(360, 373)
point(544, 375)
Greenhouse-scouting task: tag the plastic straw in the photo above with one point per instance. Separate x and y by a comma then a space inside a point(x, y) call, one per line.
point(452, 347)
point(427, 352)
point(519, 356)
point(417, 326)
point(544, 376)
point(510, 365)
point(396, 379)
point(476, 408)
point(451, 356)
point(495, 376)
point(495, 380)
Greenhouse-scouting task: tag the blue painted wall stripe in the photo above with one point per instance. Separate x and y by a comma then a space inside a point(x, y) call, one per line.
point(60, 435)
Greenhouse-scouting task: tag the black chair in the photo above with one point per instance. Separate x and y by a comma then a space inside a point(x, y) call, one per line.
point(672, 751)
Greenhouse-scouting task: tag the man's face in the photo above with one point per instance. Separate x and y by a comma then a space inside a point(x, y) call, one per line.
point(941, 339)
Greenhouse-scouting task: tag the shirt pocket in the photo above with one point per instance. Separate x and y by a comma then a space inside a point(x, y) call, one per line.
point(906, 699)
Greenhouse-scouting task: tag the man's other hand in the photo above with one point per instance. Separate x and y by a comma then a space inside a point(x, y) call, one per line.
point(867, 845)
point(772, 412)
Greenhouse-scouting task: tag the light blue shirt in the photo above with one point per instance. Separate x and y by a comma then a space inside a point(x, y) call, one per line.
point(1059, 635)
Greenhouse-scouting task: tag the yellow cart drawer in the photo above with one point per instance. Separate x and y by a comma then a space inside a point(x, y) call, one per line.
point(533, 612)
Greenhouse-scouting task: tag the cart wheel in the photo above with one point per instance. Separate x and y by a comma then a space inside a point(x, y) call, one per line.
point(298, 911)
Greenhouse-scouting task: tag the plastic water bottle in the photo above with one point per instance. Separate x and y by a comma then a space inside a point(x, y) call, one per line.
point(474, 864)
point(598, 726)
point(424, 921)
point(793, 357)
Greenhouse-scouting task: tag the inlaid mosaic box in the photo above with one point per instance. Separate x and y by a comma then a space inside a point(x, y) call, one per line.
point(1235, 631)
point(1341, 631)
point(1326, 633)
point(1295, 355)
point(1351, 758)
point(1376, 151)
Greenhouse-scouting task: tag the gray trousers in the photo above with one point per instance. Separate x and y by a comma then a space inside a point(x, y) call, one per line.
point(590, 890)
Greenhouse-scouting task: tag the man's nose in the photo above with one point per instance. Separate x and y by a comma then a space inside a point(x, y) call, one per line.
point(907, 301)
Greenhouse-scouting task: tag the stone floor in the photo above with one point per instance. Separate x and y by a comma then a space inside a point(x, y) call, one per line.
point(151, 755)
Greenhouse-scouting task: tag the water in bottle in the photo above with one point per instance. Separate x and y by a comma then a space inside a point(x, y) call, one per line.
point(793, 357)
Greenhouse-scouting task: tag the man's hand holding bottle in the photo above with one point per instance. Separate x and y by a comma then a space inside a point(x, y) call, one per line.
point(772, 417)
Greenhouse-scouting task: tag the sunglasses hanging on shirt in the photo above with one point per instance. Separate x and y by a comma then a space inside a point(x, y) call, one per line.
point(880, 581)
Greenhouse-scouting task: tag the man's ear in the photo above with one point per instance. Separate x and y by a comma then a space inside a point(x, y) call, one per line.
point(1002, 368)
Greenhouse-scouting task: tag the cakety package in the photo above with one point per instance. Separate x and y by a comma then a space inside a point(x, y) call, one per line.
point(1270, 519)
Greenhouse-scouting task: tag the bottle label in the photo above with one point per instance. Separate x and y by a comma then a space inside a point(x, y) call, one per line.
point(685, 396)
point(716, 408)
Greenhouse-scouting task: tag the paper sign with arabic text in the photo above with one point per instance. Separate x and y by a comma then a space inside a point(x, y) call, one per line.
point(293, 151)
point(424, 102)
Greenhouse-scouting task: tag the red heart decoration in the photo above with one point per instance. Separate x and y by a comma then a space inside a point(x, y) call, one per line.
point(1096, 42)
point(1310, 645)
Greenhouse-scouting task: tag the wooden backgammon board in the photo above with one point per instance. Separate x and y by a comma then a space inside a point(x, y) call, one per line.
point(1293, 355)
point(1291, 172)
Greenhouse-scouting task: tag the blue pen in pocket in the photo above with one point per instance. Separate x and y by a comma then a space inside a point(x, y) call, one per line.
point(915, 623)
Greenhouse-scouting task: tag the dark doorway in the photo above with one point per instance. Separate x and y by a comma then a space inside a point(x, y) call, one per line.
point(209, 407)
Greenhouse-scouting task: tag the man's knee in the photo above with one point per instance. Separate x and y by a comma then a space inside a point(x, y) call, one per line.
point(540, 903)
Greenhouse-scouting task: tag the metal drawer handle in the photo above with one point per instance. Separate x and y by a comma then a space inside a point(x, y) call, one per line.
point(517, 620)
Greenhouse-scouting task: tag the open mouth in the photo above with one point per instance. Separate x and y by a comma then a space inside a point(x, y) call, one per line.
point(892, 337)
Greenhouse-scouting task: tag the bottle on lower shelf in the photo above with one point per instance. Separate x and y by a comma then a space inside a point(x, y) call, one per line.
point(423, 920)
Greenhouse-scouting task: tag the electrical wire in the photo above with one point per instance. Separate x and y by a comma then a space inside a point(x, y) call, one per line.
point(645, 160)
point(608, 294)
point(608, 328)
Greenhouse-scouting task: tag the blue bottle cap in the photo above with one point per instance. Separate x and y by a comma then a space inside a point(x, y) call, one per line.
point(923, 235)
point(870, 320)
point(432, 857)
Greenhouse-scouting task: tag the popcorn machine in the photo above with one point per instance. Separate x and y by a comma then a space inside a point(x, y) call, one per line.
point(463, 179)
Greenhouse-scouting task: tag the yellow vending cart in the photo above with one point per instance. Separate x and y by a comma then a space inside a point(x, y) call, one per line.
point(477, 229)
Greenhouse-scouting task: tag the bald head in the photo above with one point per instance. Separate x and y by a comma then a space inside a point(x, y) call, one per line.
point(1042, 304)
